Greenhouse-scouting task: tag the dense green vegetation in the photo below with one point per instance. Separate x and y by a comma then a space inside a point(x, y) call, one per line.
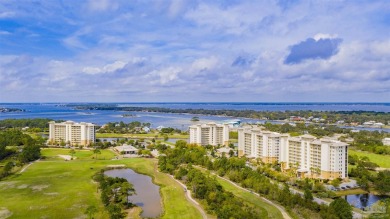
point(265, 209)
point(364, 171)
point(115, 194)
point(219, 202)
point(121, 127)
point(329, 116)
point(178, 162)
point(370, 141)
point(37, 124)
point(25, 149)
point(381, 159)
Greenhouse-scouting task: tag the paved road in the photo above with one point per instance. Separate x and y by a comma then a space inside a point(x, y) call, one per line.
point(24, 168)
point(187, 195)
point(190, 199)
point(356, 215)
point(281, 209)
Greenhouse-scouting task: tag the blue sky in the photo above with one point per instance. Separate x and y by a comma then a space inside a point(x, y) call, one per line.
point(189, 50)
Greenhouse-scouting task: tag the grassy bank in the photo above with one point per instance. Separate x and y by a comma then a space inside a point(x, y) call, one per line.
point(350, 192)
point(381, 160)
point(54, 188)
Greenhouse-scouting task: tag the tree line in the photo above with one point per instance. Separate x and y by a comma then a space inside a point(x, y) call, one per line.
point(27, 149)
point(41, 123)
point(121, 127)
point(328, 116)
point(176, 160)
point(366, 176)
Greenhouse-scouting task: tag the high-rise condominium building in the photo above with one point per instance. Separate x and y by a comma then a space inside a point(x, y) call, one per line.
point(307, 155)
point(72, 133)
point(209, 134)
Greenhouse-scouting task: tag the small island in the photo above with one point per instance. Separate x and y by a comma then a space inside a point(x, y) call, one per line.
point(9, 110)
point(195, 119)
point(128, 115)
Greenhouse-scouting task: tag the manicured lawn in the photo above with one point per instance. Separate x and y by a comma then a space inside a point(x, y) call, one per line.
point(381, 160)
point(54, 188)
point(80, 154)
point(350, 192)
point(51, 189)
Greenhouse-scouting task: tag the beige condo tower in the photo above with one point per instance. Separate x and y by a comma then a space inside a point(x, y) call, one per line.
point(72, 133)
point(209, 134)
point(308, 156)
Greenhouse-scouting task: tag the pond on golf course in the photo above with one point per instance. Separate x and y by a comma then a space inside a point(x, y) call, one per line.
point(148, 194)
point(363, 200)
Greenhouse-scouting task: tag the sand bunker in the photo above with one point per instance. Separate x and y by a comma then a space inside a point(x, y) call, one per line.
point(8, 185)
point(39, 187)
point(23, 186)
point(51, 193)
point(4, 213)
point(66, 157)
point(116, 166)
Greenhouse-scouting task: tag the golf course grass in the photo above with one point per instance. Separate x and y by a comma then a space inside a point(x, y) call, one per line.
point(381, 160)
point(55, 188)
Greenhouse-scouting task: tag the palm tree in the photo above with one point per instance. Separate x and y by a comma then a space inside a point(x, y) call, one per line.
point(72, 152)
point(91, 210)
point(96, 151)
point(127, 190)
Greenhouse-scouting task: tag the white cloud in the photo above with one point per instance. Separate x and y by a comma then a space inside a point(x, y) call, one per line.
point(190, 47)
point(102, 5)
point(319, 36)
point(109, 68)
point(91, 70)
point(114, 66)
point(166, 75)
point(204, 63)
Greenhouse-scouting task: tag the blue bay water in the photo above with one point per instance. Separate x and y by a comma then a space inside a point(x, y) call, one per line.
point(181, 121)
point(101, 117)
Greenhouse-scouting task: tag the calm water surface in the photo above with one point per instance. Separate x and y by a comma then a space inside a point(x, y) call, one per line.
point(363, 200)
point(180, 121)
point(148, 194)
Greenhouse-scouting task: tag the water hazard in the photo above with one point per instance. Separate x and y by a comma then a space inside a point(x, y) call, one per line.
point(148, 194)
point(363, 200)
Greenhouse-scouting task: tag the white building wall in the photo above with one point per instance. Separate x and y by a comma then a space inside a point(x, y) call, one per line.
point(71, 132)
point(210, 133)
point(277, 145)
point(325, 157)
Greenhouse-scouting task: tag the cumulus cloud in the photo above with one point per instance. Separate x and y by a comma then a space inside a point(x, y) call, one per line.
point(166, 75)
point(204, 51)
point(313, 49)
point(109, 68)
